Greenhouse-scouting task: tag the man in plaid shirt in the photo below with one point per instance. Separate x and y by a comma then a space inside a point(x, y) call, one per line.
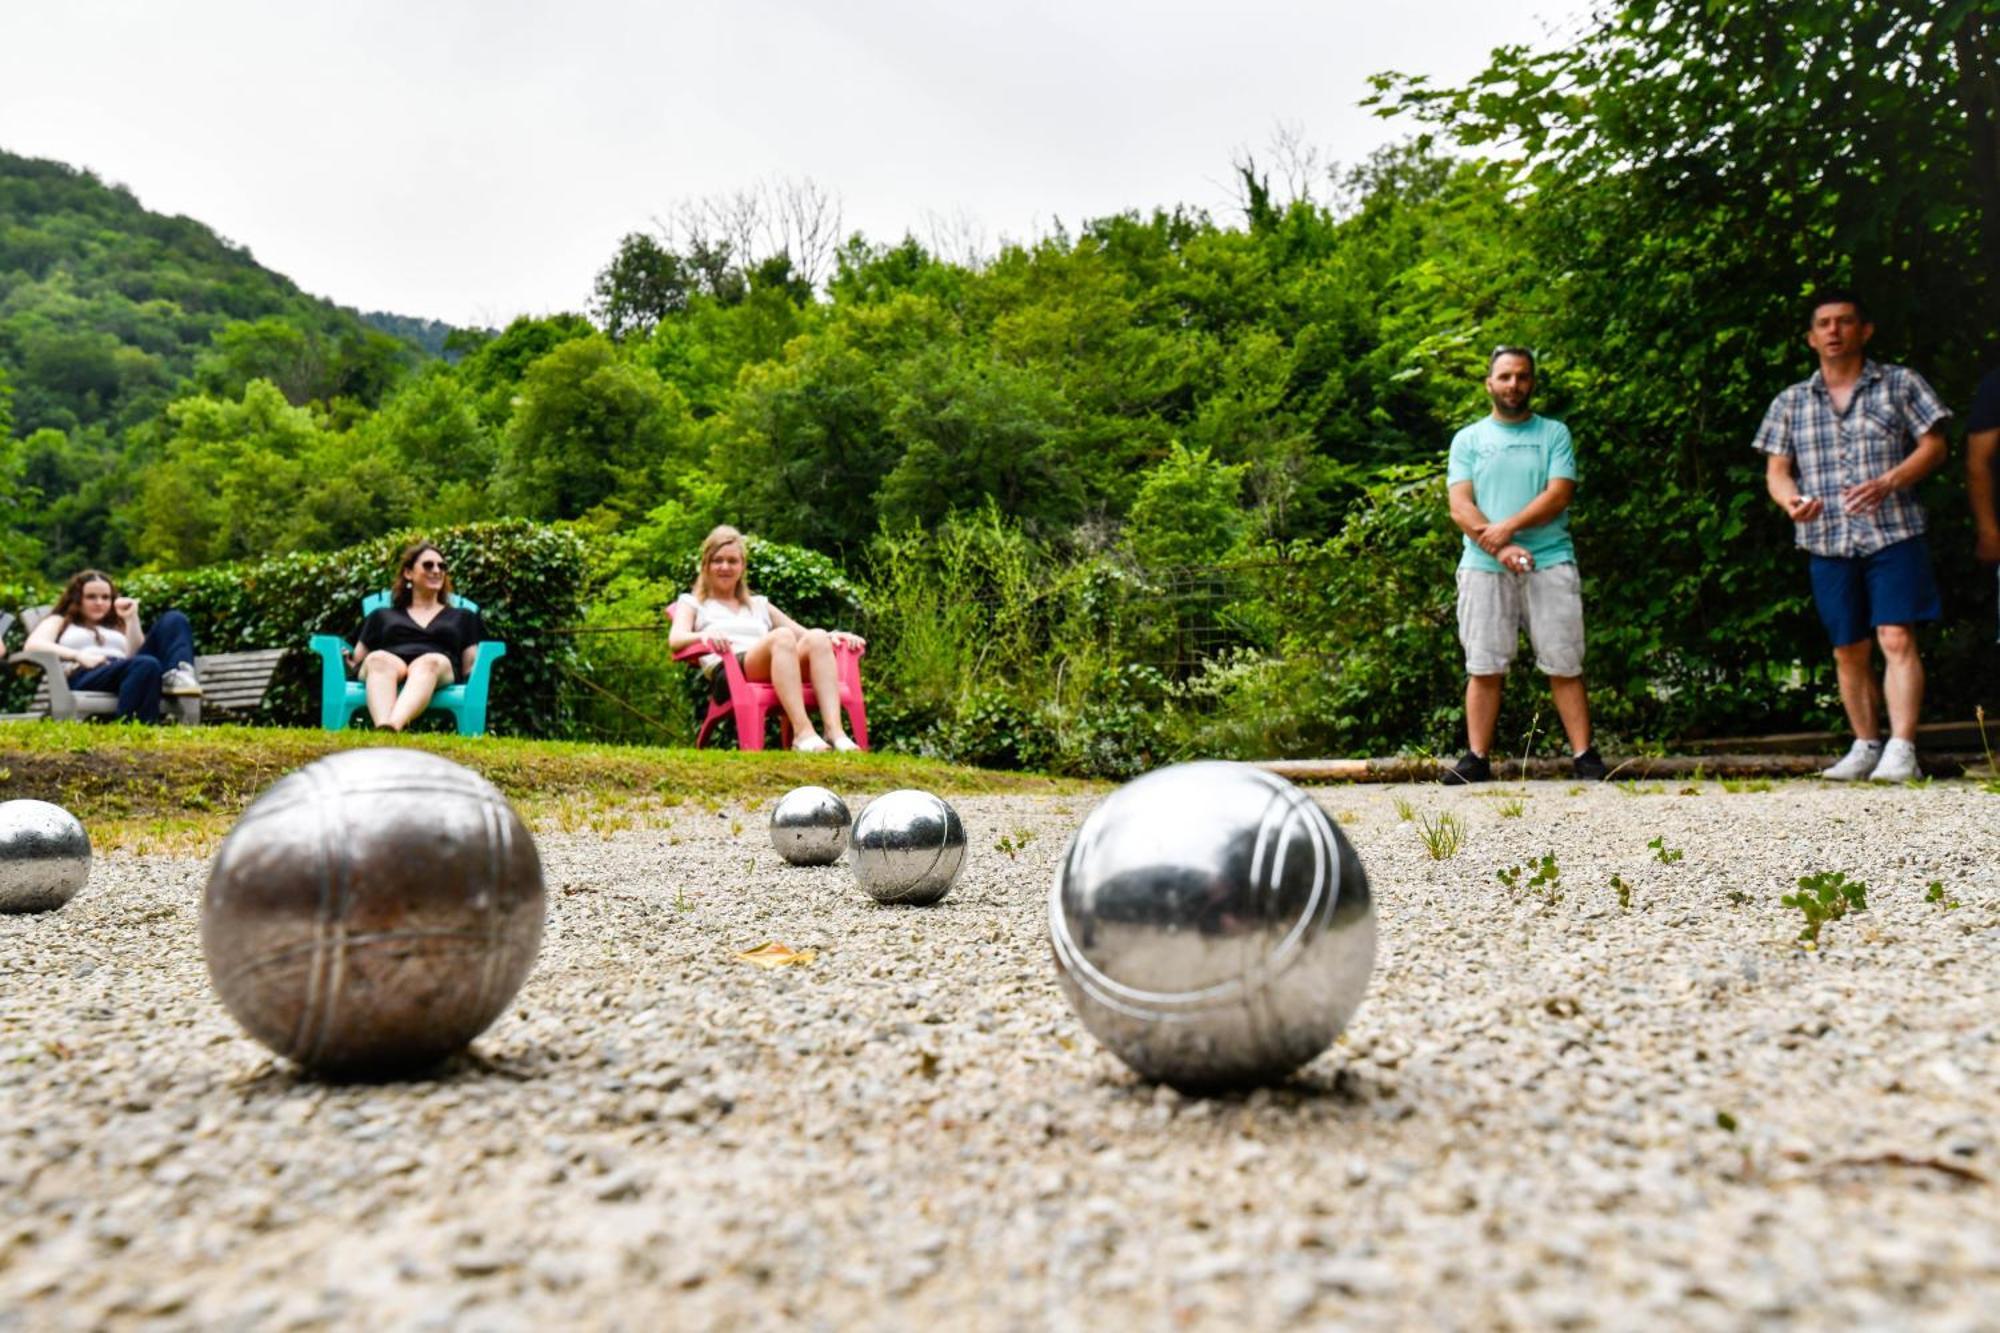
point(1844, 449)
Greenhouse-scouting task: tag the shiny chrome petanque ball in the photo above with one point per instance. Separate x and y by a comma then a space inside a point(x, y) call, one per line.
point(1212, 926)
point(908, 848)
point(44, 856)
point(809, 826)
point(373, 912)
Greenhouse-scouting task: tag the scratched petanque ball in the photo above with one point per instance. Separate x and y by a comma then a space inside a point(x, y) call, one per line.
point(1212, 926)
point(908, 848)
point(809, 826)
point(44, 856)
point(373, 912)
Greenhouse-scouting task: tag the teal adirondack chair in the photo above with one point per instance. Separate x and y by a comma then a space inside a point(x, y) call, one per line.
point(340, 697)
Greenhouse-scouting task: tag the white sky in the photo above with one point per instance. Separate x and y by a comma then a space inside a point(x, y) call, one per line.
point(469, 161)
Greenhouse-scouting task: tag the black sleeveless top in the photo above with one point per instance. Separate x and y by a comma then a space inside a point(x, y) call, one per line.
point(451, 632)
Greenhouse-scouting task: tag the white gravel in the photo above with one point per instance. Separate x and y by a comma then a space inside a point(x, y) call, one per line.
point(1525, 1127)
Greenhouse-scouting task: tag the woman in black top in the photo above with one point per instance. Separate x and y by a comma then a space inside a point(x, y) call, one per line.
point(417, 643)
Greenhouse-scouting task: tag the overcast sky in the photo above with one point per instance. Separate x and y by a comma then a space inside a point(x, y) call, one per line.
point(472, 161)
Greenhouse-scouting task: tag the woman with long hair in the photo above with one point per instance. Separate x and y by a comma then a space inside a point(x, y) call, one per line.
point(418, 642)
point(722, 613)
point(97, 635)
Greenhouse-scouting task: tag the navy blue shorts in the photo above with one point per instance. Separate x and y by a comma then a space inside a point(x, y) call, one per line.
point(1892, 586)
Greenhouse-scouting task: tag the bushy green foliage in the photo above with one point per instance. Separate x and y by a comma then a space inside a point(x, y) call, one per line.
point(527, 579)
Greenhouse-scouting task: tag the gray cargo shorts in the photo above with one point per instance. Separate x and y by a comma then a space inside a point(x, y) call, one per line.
point(1493, 609)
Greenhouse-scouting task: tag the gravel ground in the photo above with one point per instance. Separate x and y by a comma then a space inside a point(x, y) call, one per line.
point(1547, 1113)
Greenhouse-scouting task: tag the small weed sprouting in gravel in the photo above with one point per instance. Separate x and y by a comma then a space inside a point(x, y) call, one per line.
point(1443, 837)
point(1544, 879)
point(682, 903)
point(1736, 786)
point(1738, 898)
point(1404, 810)
point(1662, 853)
point(1624, 892)
point(735, 828)
point(1992, 784)
point(1576, 790)
point(1934, 893)
point(1725, 1121)
point(1011, 843)
point(1827, 895)
point(1513, 807)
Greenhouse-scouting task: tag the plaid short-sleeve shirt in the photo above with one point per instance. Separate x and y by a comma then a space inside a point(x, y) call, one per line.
point(1890, 409)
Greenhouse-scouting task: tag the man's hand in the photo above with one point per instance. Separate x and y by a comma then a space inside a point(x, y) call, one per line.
point(1515, 558)
point(1865, 497)
point(1805, 508)
point(1495, 538)
point(1987, 547)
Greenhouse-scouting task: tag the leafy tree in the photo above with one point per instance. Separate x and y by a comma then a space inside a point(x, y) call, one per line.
point(643, 284)
point(1189, 511)
point(591, 430)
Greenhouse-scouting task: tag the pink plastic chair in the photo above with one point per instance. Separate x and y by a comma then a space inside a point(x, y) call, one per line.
point(750, 702)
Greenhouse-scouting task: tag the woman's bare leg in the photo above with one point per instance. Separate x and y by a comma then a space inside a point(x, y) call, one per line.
point(816, 655)
point(775, 659)
point(425, 673)
point(381, 673)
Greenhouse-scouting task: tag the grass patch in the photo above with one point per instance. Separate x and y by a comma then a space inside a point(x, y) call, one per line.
point(176, 790)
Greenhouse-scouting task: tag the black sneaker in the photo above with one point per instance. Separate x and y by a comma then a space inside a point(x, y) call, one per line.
point(1470, 768)
point(1590, 766)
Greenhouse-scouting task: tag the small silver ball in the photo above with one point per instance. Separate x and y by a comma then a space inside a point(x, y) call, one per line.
point(809, 826)
point(373, 912)
point(1212, 926)
point(908, 848)
point(44, 856)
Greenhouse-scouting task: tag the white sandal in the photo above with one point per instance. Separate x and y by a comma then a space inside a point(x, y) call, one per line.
point(844, 743)
point(811, 743)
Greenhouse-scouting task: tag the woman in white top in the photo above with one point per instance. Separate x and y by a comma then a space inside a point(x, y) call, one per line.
point(97, 635)
point(724, 615)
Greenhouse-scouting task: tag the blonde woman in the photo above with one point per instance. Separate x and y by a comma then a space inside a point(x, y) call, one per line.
point(723, 615)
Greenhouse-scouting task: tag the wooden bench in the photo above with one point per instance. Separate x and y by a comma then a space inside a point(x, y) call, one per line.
point(233, 686)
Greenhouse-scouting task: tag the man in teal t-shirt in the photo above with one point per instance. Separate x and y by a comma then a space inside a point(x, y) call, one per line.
point(1512, 475)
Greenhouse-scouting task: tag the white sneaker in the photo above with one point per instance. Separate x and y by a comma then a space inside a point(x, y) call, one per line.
point(1899, 763)
point(1860, 762)
point(180, 680)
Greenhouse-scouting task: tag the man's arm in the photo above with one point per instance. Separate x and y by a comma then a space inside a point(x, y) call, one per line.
point(1865, 496)
point(1981, 449)
point(1555, 498)
point(1784, 488)
point(1465, 510)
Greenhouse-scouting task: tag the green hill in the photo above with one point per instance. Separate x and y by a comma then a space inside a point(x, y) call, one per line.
point(107, 308)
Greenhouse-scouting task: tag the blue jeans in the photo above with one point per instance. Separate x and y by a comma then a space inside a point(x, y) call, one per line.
point(170, 643)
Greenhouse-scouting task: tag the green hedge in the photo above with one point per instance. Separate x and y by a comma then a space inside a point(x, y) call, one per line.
point(527, 578)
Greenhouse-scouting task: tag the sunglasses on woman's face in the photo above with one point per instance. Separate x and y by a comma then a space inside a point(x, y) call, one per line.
point(436, 566)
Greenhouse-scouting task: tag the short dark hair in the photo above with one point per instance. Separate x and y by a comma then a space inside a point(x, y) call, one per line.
point(1835, 296)
point(1508, 349)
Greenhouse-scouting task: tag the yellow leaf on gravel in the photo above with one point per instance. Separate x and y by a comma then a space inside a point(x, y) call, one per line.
point(775, 954)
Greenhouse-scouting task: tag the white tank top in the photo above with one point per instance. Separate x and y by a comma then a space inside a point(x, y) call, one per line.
point(742, 627)
point(110, 642)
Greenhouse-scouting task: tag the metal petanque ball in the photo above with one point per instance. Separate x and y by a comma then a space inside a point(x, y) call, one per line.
point(1212, 926)
point(908, 848)
point(44, 856)
point(809, 826)
point(373, 912)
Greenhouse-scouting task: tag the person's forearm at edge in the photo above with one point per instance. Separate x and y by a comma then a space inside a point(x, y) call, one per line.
point(1981, 448)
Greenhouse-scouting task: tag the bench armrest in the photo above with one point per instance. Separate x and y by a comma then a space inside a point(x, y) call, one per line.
point(62, 703)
